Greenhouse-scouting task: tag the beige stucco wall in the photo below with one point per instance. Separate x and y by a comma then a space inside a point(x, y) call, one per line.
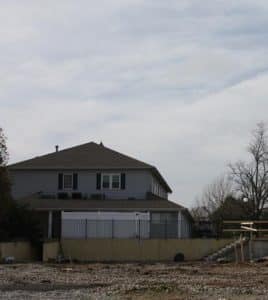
point(50, 250)
point(133, 250)
point(21, 251)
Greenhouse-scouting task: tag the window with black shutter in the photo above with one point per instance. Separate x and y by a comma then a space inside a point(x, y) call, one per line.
point(68, 181)
point(110, 181)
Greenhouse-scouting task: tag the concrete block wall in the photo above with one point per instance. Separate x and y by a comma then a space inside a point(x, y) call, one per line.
point(21, 251)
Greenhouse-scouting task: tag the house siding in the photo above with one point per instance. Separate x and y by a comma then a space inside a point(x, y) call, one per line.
point(157, 189)
point(25, 183)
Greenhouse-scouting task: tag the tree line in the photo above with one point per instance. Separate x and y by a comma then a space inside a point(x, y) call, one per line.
point(242, 192)
point(16, 221)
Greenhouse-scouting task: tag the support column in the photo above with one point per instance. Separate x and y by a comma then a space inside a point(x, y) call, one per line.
point(180, 224)
point(49, 231)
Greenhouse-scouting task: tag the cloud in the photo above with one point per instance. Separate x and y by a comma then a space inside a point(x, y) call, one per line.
point(178, 84)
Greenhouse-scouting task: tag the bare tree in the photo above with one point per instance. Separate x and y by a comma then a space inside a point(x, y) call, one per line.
point(251, 178)
point(199, 212)
point(211, 208)
point(215, 194)
point(5, 186)
point(3, 149)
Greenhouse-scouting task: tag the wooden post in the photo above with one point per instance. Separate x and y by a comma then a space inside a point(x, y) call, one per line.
point(250, 246)
point(236, 254)
point(242, 249)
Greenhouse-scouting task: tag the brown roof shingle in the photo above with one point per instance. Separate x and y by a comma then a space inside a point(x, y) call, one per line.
point(85, 156)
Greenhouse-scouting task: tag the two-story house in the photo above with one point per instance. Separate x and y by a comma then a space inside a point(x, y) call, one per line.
point(91, 191)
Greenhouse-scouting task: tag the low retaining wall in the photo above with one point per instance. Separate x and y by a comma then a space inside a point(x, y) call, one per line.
point(124, 250)
point(132, 250)
point(260, 248)
point(51, 250)
point(21, 251)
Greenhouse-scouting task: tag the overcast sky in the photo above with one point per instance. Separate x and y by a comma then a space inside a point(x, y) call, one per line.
point(178, 84)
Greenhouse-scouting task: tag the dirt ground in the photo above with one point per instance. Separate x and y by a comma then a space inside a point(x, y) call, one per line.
point(134, 281)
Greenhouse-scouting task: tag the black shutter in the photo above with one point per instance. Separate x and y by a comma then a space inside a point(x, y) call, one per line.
point(123, 181)
point(98, 181)
point(75, 181)
point(60, 181)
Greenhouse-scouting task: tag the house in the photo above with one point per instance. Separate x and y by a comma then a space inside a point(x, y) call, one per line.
point(91, 191)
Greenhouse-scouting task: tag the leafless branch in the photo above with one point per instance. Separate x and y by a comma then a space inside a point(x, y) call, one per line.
point(251, 179)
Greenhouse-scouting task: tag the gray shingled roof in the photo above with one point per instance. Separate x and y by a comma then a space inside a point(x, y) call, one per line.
point(101, 205)
point(86, 157)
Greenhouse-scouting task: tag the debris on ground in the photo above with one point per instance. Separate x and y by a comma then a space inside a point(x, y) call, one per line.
point(187, 280)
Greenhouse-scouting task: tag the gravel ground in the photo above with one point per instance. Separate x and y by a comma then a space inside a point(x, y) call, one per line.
point(134, 281)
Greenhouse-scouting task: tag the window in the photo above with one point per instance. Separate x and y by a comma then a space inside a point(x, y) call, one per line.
point(67, 181)
point(111, 181)
point(105, 181)
point(115, 181)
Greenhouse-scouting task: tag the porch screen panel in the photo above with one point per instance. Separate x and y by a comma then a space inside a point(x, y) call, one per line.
point(73, 229)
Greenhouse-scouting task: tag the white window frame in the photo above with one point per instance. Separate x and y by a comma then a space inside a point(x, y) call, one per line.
point(110, 175)
point(63, 182)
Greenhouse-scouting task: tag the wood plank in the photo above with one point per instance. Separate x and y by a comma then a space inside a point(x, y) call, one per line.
point(244, 221)
point(243, 230)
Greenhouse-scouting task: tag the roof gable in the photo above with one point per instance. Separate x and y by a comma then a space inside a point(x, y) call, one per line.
point(85, 157)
